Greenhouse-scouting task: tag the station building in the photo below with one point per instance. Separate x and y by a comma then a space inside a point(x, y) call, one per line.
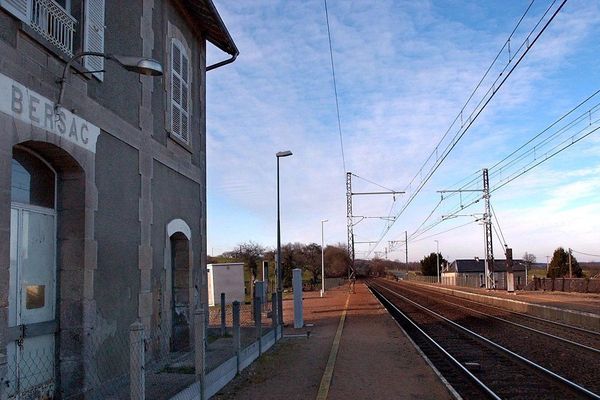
point(103, 196)
point(471, 272)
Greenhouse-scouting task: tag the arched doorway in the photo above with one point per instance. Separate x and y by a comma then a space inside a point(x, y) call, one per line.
point(179, 287)
point(46, 310)
point(32, 296)
point(181, 311)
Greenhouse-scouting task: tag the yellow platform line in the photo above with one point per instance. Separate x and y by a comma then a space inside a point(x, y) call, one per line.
point(328, 373)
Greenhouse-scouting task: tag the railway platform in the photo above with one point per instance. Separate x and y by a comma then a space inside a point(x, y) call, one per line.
point(584, 302)
point(579, 309)
point(350, 347)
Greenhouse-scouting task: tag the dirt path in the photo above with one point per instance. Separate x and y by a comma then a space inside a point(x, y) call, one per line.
point(375, 360)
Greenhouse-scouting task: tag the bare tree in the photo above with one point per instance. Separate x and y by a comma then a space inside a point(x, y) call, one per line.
point(336, 261)
point(529, 259)
point(311, 260)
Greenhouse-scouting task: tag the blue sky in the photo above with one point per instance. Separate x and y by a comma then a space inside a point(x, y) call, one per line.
point(404, 69)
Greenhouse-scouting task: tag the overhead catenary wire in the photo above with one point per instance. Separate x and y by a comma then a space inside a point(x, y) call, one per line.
point(460, 114)
point(415, 235)
point(446, 231)
point(513, 157)
point(505, 73)
point(335, 91)
point(585, 254)
point(374, 183)
point(498, 225)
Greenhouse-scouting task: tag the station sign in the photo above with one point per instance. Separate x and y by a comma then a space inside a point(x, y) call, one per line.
point(28, 106)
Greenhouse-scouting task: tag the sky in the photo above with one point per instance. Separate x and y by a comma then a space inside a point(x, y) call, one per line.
point(404, 71)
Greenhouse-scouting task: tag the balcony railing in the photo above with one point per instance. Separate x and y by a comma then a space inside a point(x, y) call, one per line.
point(54, 23)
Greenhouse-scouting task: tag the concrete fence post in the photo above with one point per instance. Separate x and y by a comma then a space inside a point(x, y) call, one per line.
point(137, 381)
point(199, 347)
point(3, 373)
point(258, 322)
point(223, 316)
point(297, 287)
point(236, 331)
point(274, 318)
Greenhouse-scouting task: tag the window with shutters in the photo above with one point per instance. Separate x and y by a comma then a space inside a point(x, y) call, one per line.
point(180, 91)
point(54, 22)
point(93, 36)
point(51, 19)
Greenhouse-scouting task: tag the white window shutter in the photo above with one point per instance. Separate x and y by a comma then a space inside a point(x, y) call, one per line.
point(19, 8)
point(93, 36)
point(180, 96)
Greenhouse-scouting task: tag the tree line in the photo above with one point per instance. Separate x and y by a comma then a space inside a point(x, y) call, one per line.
point(307, 257)
point(557, 268)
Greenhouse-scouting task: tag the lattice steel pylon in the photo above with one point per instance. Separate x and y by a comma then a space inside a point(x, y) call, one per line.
point(489, 249)
point(350, 224)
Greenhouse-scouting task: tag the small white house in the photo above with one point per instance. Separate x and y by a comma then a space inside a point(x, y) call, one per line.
point(225, 278)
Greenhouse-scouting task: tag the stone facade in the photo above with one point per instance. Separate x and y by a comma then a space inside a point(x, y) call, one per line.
point(116, 242)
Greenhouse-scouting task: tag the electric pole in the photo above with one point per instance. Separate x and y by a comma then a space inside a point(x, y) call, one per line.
point(350, 224)
point(487, 223)
point(570, 265)
point(350, 219)
point(489, 249)
point(406, 246)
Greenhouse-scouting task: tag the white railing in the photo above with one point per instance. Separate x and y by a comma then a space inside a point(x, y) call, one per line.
point(54, 23)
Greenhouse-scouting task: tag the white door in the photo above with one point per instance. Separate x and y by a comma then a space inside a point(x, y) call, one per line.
point(32, 301)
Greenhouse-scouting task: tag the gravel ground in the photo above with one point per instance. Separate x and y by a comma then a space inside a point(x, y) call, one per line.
point(565, 359)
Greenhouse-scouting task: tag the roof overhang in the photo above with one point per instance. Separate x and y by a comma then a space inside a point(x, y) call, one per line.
point(212, 25)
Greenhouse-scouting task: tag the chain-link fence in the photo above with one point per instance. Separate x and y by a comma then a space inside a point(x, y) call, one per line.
point(204, 349)
point(421, 278)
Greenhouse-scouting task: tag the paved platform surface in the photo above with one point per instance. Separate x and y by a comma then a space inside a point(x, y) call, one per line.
point(375, 360)
point(587, 302)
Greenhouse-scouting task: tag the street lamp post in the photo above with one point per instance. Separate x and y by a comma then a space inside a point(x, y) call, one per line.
point(279, 271)
point(322, 259)
point(437, 255)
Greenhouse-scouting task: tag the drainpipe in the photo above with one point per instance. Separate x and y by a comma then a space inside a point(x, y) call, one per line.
point(225, 62)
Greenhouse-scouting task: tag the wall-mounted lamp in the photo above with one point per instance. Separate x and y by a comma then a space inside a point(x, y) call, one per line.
point(139, 65)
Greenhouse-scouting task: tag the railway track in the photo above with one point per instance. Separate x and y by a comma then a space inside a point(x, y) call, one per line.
point(474, 365)
point(576, 336)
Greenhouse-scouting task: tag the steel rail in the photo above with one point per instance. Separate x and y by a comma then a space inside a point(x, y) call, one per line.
point(546, 371)
point(577, 328)
point(517, 324)
point(471, 376)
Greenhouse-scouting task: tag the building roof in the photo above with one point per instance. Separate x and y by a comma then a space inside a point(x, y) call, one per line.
point(478, 265)
point(212, 25)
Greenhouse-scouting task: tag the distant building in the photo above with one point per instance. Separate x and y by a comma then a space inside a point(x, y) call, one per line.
point(103, 197)
point(471, 272)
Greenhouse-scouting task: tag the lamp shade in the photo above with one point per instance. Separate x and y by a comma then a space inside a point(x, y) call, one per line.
point(284, 153)
point(140, 65)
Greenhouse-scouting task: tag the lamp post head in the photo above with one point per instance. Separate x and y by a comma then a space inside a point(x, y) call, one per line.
point(283, 153)
point(324, 220)
point(140, 65)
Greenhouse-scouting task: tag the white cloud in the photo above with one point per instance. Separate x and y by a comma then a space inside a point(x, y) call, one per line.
point(401, 81)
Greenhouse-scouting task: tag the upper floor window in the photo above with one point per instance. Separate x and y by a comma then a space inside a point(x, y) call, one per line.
point(180, 91)
point(53, 21)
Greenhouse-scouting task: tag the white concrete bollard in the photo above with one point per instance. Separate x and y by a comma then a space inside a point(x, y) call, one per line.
point(297, 286)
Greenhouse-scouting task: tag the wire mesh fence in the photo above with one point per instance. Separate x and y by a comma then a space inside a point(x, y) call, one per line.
point(140, 362)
